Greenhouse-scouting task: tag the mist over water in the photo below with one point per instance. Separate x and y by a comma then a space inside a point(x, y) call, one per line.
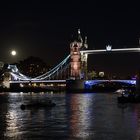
point(76, 116)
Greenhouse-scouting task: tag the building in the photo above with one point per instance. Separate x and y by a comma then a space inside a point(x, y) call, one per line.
point(33, 66)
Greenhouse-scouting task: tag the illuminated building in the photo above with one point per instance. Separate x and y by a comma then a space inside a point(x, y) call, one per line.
point(78, 61)
point(75, 59)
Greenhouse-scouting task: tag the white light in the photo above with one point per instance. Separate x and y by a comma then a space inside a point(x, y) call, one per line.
point(78, 31)
point(13, 52)
point(108, 48)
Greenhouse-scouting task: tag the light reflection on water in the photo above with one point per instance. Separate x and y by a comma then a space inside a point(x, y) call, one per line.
point(76, 116)
point(81, 117)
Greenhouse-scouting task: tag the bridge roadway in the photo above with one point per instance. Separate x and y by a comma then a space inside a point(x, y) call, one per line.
point(39, 81)
point(90, 82)
point(94, 82)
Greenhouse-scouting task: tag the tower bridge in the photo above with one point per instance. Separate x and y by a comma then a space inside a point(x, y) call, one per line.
point(73, 67)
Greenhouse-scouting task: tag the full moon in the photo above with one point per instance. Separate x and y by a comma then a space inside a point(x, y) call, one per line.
point(13, 52)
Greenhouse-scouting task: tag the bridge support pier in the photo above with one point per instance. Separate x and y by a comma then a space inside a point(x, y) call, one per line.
point(77, 85)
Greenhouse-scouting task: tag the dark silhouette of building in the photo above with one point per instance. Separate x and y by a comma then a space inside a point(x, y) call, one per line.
point(33, 66)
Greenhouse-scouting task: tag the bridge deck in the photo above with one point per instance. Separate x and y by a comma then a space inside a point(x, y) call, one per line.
point(86, 82)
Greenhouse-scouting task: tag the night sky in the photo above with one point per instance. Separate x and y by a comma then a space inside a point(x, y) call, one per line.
point(44, 29)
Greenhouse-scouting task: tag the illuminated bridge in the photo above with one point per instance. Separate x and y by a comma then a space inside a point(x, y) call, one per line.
point(74, 66)
point(91, 83)
point(63, 67)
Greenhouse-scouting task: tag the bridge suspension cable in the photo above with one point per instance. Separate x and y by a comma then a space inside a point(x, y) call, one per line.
point(19, 76)
point(52, 71)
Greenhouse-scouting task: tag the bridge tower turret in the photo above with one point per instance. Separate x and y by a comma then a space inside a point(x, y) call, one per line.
point(78, 61)
point(84, 57)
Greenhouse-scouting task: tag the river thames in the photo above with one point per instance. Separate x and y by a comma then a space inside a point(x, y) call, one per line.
point(83, 116)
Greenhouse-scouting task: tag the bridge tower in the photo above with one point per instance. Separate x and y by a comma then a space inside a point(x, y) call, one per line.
point(78, 61)
point(84, 57)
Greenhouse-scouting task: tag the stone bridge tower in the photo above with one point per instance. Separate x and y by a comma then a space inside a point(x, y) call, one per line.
point(78, 62)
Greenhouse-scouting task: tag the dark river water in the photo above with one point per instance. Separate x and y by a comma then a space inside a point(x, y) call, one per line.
point(85, 116)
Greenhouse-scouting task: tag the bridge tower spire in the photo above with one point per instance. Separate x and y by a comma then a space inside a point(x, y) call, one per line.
point(78, 61)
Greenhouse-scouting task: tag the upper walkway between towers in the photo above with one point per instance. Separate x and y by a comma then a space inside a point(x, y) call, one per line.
point(110, 49)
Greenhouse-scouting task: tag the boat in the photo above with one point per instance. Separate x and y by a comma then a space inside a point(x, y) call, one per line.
point(37, 105)
point(120, 91)
point(126, 96)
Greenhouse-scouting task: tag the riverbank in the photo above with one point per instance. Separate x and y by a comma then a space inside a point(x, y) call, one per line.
point(30, 89)
point(60, 89)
